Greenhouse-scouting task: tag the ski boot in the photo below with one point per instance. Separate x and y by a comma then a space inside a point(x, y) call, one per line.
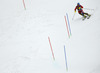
point(88, 16)
point(84, 17)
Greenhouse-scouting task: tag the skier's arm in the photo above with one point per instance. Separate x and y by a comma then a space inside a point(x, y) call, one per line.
point(75, 8)
point(81, 6)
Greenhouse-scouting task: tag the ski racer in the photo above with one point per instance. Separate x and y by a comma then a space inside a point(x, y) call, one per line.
point(80, 10)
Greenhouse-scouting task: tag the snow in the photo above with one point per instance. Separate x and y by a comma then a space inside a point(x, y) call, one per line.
point(24, 44)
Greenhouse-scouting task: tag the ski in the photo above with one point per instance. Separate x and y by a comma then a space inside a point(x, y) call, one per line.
point(84, 18)
point(88, 17)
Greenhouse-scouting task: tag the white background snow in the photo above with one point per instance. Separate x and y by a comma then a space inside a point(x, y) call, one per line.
point(24, 45)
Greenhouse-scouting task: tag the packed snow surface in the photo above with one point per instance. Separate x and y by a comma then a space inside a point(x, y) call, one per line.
point(24, 44)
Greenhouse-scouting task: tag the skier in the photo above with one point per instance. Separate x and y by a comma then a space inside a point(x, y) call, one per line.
point(80, 11)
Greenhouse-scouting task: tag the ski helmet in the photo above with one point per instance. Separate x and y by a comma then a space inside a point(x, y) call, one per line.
point(78, 3)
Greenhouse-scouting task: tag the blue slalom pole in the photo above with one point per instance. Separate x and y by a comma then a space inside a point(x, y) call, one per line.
point(68, 24)
point(65, 58)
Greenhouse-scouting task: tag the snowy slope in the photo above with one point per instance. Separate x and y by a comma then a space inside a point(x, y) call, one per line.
point(24, 45)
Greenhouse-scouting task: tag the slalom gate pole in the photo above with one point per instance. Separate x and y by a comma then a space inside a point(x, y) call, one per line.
point(24, 4)
point(65, 58)
point(67, 26)
point(51, 48)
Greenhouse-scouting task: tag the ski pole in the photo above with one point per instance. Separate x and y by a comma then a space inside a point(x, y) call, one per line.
point(88, 9)
point(73, 16)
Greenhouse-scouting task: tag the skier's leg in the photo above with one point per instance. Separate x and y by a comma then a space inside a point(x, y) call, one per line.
point(87, 14)
point(83, 15)
point(80, 14)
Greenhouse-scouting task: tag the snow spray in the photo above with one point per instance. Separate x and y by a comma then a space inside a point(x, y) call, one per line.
point(24, 4)
point(65, 58)
point(51, 48)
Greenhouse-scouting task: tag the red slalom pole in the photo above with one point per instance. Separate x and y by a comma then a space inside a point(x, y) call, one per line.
point(67, 26)
point(51, 48)
point(24, 4)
